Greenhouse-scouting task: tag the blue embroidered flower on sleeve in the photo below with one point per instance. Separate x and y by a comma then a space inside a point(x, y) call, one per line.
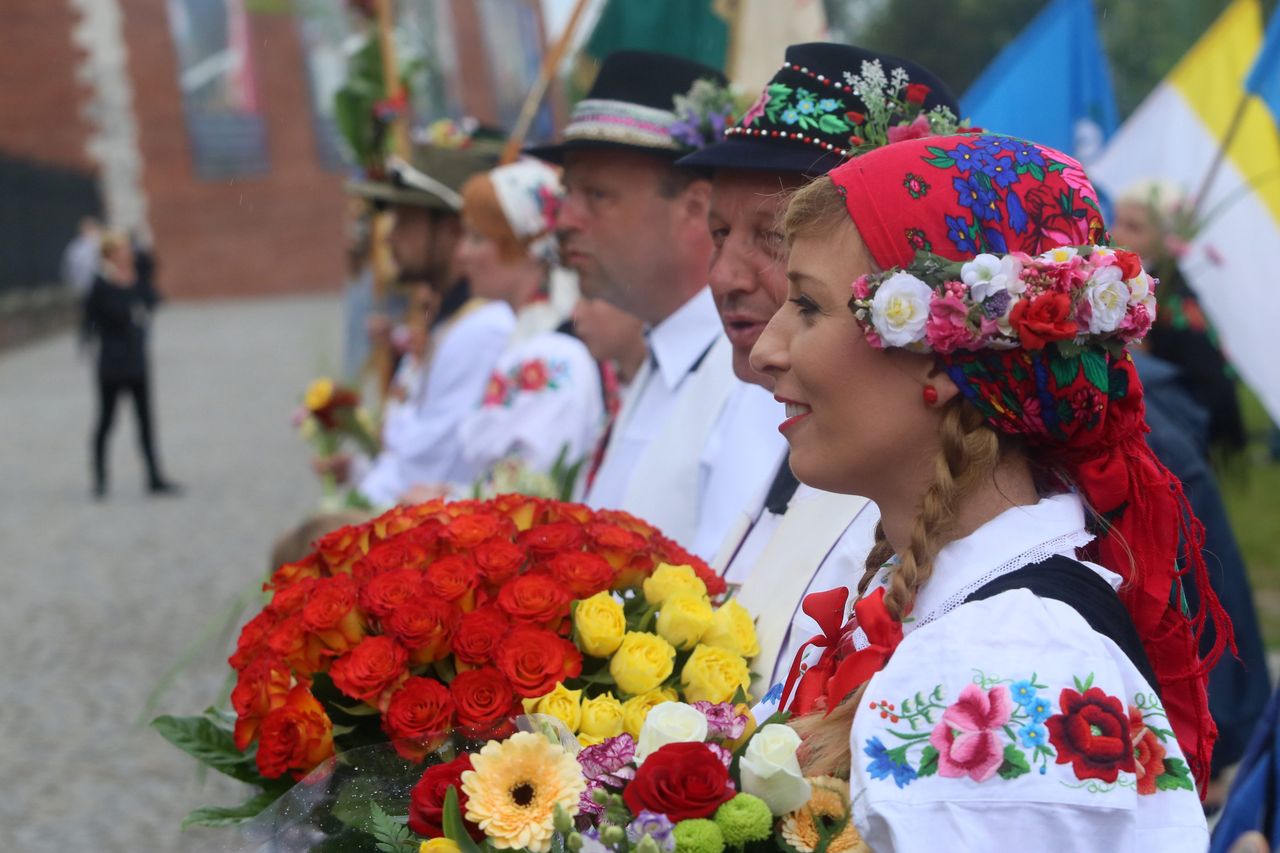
point(885, 763)
point(1033, 735)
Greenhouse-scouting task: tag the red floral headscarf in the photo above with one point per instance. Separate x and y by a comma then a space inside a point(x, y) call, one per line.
point(1079, 407)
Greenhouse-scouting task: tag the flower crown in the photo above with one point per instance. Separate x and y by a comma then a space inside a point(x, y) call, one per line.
point(702, 114)
point(1071, 296)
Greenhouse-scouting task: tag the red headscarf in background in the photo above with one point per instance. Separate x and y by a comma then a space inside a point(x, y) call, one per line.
point(1083, 414)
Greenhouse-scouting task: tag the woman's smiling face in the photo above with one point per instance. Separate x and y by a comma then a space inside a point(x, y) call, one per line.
point(856, 420)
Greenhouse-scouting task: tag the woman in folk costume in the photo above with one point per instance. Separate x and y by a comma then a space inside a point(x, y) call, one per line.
point(543, 401)
point(1019, 663)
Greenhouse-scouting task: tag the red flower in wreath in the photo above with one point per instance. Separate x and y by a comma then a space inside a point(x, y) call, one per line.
point(917, 92)
point(1092, 734)
point(534, 375)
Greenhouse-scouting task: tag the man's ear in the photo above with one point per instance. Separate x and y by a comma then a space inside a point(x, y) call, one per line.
point(696, 201)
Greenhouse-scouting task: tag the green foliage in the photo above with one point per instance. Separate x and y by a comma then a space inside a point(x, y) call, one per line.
point(210, 743)
point(220, 816)
point(390, 834)
point(1014, 764)
point(454, 827)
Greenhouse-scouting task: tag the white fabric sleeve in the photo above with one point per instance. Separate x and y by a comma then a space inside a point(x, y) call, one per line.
point(1009, 719)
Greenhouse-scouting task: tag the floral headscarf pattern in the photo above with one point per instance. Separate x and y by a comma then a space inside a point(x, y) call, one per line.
point(1077, 403)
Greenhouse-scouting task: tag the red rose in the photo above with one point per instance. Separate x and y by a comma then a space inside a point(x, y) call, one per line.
point(304, 651)
point(424, 627)
point(1092, 734)
point(370, 668)
point(855, 117)
point(484, 700)
point(468, 531)
point(260, 688)
point(534, 600)
point(499, 561)
point(1044, 319)
point(1130, 264)
point(253, 638)
point(418, 717)
point(342, 547)
point(479, 635)
point(547, 540)
point(581, 573)
point(682, 781)
point(1148, 752)
point(289, 600)
point(382, 594)
point(454, 579)
point(290, 573)
point(389, 556)
point(426, 801)
point(523, 510)
point(535, 661)
point(331, 614)
point(917, 92)
point(577, 513)
point(295, 737)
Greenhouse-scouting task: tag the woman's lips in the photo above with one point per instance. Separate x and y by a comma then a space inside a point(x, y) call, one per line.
point(795, 413)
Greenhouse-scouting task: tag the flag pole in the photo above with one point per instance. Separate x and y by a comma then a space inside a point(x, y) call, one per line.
point(550, 65)
point(1220, 155)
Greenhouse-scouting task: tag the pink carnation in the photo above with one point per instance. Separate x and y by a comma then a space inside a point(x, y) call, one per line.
point(862, 287)
point(947, 328)
point(1136, 322)
point(968, 735)
point(918, 129)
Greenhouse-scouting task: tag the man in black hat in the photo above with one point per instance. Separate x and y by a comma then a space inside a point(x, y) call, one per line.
point(793, 539)
point(419, 434)
point(633, 225)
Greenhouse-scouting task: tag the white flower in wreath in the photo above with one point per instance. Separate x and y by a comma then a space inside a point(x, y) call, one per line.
point(1141, 292)
point(1059, 255)
point(900, 309)
point(1108, 299)
point(988, 274)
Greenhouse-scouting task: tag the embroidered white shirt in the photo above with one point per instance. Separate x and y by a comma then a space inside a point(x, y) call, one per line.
point(420, 439)
point(677, 346)
point(1010, 721)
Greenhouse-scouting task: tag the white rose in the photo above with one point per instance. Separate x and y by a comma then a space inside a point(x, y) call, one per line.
point(1140, 292)
point(670, 722)
point(988, 274)
point(1108, 297)
point(771, 771)
point(900, 309)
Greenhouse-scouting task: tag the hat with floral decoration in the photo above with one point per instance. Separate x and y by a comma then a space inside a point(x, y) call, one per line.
point(652, 103)
point(444, 154)
point(827, 103)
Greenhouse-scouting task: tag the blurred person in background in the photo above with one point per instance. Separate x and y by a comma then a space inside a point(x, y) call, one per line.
point(81, 258)
point(117, 315)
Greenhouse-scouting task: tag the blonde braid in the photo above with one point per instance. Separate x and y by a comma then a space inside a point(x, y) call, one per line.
point(970, 452)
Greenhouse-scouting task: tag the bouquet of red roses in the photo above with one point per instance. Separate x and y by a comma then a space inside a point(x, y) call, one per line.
point(452, 618)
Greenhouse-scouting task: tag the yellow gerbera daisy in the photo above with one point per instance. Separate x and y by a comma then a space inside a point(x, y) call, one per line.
point(515, 786)
point(828, 806)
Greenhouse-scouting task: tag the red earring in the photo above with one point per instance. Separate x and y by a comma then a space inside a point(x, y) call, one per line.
point(930, 395)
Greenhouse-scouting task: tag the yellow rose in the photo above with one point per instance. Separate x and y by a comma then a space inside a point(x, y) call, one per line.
point(562, 703)
point(733, 629)
point(318, 395)
point(601, 717)
point(683, 620)
point(600, 624)
point(636, 709)
point(642, 662)
point(713, 674)
point(667, 580)
point(439, 845)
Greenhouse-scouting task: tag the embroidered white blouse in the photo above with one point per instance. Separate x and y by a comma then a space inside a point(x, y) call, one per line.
point(543, 397)
point(1009, 721)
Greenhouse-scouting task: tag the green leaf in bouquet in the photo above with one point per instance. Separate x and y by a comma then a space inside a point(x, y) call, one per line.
point(454, 827)
point(216, 816)
point(390, 833)
point(210, 744)
point(355, 710)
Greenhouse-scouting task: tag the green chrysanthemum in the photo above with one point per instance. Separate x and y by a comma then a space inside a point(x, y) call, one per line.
point(744, 819)
point(698, 836)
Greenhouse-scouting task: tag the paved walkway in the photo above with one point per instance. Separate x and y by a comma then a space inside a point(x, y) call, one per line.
point(98, 600)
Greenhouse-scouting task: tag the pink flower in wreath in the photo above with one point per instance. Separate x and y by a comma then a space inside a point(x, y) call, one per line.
point(968, 737)
point(757, 109)
point(947, 328)
point(862, 287)
point(917, 129)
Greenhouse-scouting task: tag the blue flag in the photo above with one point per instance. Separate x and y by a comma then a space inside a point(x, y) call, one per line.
point(1264, 79)
point(1051, 84)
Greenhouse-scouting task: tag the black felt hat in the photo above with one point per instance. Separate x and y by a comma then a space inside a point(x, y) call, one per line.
point(802, 121)
point(631, 106)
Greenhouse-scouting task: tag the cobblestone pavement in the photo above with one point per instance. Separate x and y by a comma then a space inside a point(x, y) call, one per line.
point(98, 600)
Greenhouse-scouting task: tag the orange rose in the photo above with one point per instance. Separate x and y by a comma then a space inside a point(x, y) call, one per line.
point(523, 510)
point(295, 737)
point(560, 511)
point(418, 717)
point(304, 651)
point(253, 638)
point(534, 600)
point(470, 530)
point(370, 669)
point(290, 573)
point(289, 600)
point(424, 627)
point(478, 637)
point(342, 547)
point(547, 540)
point(454, 579)
point(581, 573)
point(399, 553)
point(499, 561)
point(385, 592)
point(331, 613)
point(535, 661)
point(261, 688)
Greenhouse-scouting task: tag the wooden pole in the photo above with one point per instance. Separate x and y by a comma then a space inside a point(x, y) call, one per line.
point(550, 66)
point(1202, 194)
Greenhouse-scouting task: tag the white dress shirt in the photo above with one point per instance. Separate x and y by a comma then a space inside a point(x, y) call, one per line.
point(677, 345)
point(987, 682)
point(420, 443)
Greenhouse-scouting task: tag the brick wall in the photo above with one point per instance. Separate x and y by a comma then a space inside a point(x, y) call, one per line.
point(281, 232)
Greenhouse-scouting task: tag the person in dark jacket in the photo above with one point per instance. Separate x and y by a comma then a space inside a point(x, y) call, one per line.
point(117, 313)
